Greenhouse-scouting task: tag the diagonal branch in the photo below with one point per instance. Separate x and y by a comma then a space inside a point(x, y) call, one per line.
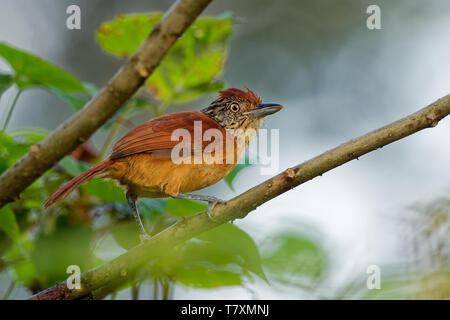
point(238, 207)
point(100, 108)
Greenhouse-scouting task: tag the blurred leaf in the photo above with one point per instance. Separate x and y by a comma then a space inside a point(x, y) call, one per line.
point(72, 166)
point(31, 71)
point(66, 246)
point(218, 257)
point(76, 100)
point(12, 148)
point(126, 234)
point(207, 276)
point(28, 136)
point(232, 175)
point(184, 207)
point(90, 88)
point(6, 80)
point(190, 66)
point(152, 209)
point(8, 223)
point(291, 258)
point(23, 270)
point(234, 242)
point(137, 103)
point(104, 190)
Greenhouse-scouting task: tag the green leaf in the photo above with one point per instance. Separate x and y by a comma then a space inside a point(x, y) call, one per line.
point(126, 234)
point(54, 252)
point(239, 167)
point(23, 271)
point(8, 223)
point(104, 190)
point(12, 148)
point(232, 175)
point(152, 209)
point(184, 207)
point(31, 71)
point(6, 80)
point(73, 166)
point(207, 276)
point(292, 258)
point(76, 100)
point(219, 257)
point(191, 65)
point(232, 242)
point(28, 136)
point(90, 88)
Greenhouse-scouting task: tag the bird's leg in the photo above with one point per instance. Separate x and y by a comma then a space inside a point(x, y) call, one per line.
point(212, 201)
point(132, 202)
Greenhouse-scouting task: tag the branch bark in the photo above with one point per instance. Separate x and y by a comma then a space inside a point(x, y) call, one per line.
point(240, 206)
point(100, 108)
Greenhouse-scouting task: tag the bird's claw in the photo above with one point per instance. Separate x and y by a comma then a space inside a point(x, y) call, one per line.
point(144, 237)
point(211, 203)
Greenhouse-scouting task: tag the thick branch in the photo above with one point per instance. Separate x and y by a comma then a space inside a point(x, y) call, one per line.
point(241, 205)
point(100, 108)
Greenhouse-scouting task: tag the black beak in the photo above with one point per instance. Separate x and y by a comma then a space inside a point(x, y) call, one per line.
point(264, 109)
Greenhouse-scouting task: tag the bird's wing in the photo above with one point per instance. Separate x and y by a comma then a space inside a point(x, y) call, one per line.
point(155, 135)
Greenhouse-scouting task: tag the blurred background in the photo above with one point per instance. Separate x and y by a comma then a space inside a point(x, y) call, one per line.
point(337, 80)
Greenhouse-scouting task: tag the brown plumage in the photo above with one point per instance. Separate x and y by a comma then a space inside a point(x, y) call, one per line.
point(141, 161)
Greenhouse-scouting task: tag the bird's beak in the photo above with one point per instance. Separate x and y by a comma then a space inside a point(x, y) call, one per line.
point(264, 109)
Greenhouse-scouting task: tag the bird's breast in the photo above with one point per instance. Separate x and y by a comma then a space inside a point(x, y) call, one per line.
point(153, 177)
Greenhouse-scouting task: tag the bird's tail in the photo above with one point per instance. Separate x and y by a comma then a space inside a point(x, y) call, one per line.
point(73, 184)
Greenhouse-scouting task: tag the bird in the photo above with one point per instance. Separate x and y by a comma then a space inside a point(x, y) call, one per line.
point(149, 162)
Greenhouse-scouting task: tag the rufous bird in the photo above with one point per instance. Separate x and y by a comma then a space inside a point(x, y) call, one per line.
point(142, 160)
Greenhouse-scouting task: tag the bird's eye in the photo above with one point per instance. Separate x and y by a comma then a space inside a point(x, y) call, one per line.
point(234, 107)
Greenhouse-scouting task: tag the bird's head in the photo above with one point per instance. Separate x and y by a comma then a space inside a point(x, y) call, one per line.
point(239, 109)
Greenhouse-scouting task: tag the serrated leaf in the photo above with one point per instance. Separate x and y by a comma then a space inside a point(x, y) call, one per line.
point(8, 223)
point(191, 65)
point(31, 71)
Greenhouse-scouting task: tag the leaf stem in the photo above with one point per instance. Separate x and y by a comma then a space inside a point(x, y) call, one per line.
point(11, 109)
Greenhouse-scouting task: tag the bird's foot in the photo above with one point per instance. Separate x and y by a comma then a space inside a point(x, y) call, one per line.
point(144, 237)
point(211, 203)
